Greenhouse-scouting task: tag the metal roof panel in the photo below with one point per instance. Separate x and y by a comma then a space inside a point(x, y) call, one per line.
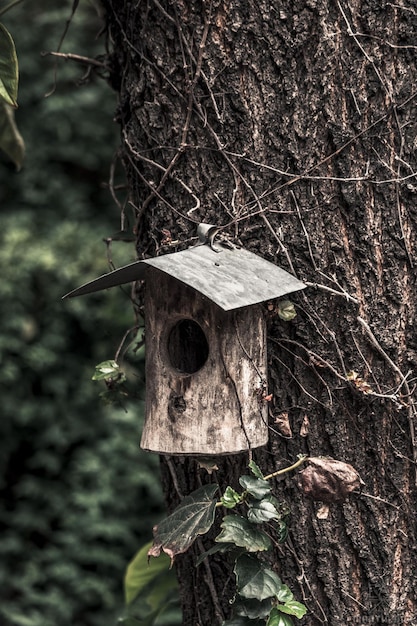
point(231, 278)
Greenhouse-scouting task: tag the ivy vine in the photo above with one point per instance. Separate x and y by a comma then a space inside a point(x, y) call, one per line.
point(261, 597)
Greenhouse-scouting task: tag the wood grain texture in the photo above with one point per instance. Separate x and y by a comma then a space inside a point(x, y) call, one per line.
point(219, 408)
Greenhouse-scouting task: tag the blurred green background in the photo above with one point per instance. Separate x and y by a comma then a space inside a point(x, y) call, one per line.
point(78, 497)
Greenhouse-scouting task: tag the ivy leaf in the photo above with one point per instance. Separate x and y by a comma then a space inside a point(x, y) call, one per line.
point(276, 618)
point(108, 370)
point(286, 310)
point(262, 511)
point(257, 487)
point(254, 580)
point(255, 470)
point(242, 533)
point(285, 594)
point(292, 607)
point(193, 517)
point(9, 72)
point(231, 498)
point(253, 608)
point(11, 141)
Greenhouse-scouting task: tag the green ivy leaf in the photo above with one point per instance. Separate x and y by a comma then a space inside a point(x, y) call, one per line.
point(278, 619)
point(285, 594)
point(242, 533)
point(292, 607)
point(11, 141)
point(262, 511)
point(231, 498)
point(107, 370)
point(254, 580)
point(257, 487)
point(193, 517)
point(255, 469)
point(286, 310)
point(9, 71)
point(253, 608)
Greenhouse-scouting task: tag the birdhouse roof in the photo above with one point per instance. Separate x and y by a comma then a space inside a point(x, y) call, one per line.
point(231, 278)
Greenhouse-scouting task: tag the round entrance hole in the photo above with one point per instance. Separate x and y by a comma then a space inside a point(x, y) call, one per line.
point(188, 349)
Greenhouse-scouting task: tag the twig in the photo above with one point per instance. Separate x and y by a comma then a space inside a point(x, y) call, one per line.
point(210, 583)
point(75, 57)
point(378, 499)
point(9, 6)
point(412, 413)
point(292, 467)
point(307, 236)
point(362, 49)
point(344, 294)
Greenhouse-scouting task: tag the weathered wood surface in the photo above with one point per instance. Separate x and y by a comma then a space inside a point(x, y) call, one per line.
point(219, 408)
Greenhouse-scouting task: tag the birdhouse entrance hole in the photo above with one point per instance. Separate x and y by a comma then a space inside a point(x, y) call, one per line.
point(188, 348)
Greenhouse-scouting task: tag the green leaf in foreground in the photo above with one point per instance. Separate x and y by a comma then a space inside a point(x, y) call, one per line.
point(193, 517)
point(11, 141)
point(141, 573)
point(9, 71)
point(254, 580)
point(238, 530)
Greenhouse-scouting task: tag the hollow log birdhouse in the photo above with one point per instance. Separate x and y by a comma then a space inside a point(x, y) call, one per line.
point(205, 337)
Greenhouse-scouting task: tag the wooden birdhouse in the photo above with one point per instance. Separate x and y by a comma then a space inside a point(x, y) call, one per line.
point(205, 337)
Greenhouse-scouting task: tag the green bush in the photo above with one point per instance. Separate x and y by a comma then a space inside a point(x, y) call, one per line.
point(77, 495)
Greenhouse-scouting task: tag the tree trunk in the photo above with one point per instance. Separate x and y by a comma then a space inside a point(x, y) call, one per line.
point(292, 125)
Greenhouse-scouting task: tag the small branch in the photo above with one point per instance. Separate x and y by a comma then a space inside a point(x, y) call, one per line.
point(378, 499)
point(344, 294)
point(292, 467)
point(9, 6)
point(411, 408)
point(306, 234)
point(210, 583)
point(75, 57)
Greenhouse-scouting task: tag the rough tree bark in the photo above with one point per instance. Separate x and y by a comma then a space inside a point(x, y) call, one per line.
point(292, 125)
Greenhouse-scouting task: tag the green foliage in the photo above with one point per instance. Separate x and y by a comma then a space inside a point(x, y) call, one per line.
point(151, 591)
point(261, 596)
point(76, 494)
point(109, 371)
point(239, 531)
